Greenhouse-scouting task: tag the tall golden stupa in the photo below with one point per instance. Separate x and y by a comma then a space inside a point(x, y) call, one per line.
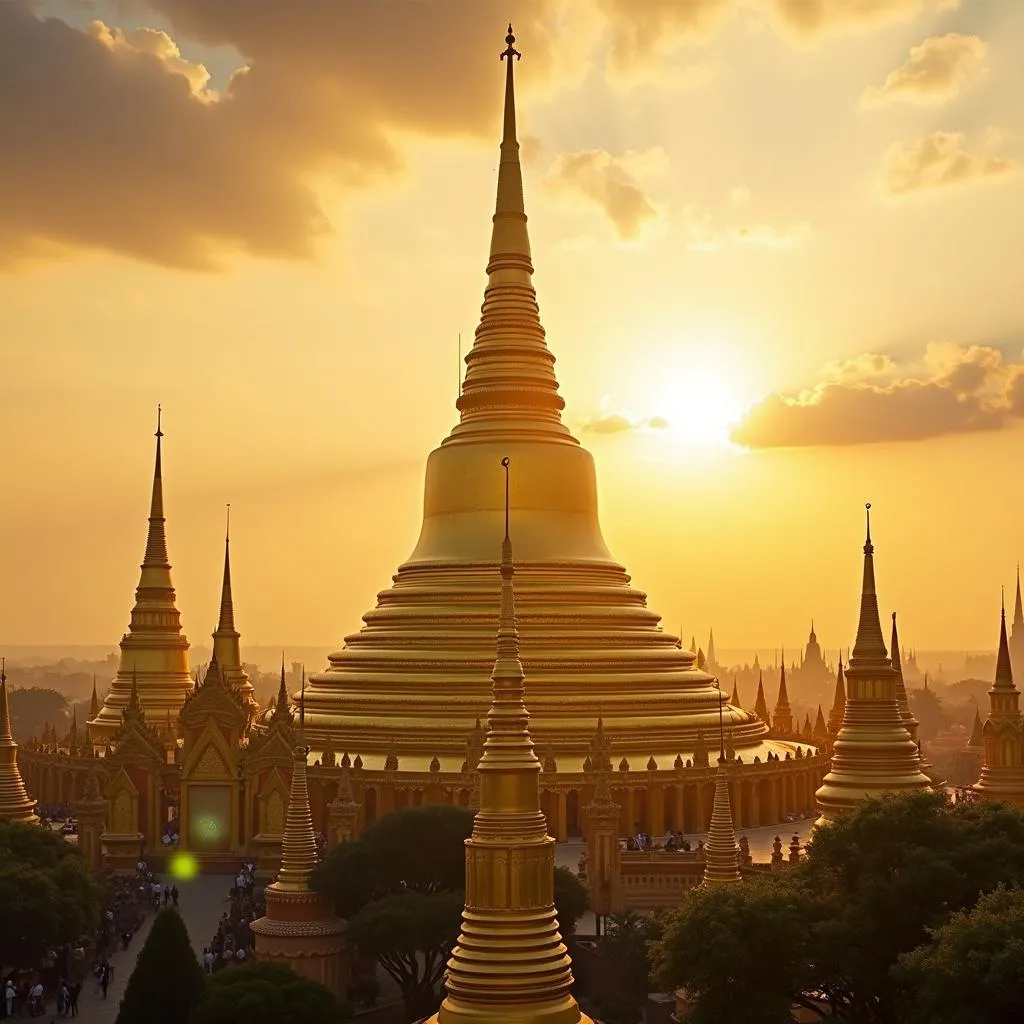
point(873, 751)
point(510, 964)
point(407, 688)
point(154, 651)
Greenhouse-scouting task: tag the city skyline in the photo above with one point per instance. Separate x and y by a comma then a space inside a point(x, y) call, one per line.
point(640, 254)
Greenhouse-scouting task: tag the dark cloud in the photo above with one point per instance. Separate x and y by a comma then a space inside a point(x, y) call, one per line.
point(113, 141)
point(871, 399)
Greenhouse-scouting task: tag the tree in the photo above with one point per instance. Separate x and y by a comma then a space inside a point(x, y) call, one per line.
point(167, 981)
point(46, 893)
point(875, 885)
point(411, 935)
point(400, 884)
point(420, 849)
point(742, 952)
point(571, 901)
point(32, 707)
point(266, 993)
point(972, 971)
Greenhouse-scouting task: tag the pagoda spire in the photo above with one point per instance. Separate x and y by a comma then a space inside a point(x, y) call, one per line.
point(835, 717)
point(782, 719)
point(869, 646)
point(226, 646)
point(873, 752)
point(510, 962)
point(711, 658)
point(1018, 606)
point(977, 731)
point(901, 687)
point(734, 700)
point(15, 803)
point(154, 643)
point(760, 704)
point(94, 701)
point(509, 386)
point(1004, 671)
point(721, 854)
point(298, 845)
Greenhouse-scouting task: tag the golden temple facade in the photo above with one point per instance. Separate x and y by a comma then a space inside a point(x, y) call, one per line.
point(405, 692)
point(873, 752)
point(154, 651)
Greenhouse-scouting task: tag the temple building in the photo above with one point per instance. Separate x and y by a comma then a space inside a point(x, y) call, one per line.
point(509, 963)
point(1002, 770)
point(873, 752)
point(404, 693)
point(154, 651)
point(812, 673)
point(15, 803)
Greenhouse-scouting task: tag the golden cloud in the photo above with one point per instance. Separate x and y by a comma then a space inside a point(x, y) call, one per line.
point(610, 183)
point(939, 160)
point(706, 235)
point(621, 421)
point(113, 140)
point(936, 71)
point(955, 389)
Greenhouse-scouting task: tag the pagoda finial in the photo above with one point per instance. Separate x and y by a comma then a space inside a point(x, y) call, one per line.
point(869, 646)
point(1018, 607)
point(510, 962)
point(1004, 671)
point(94, 700)
point(281, 709)
point(5, 711)
point(156, 540)
point(226, 619)
point(526, 402)
point(302, 708)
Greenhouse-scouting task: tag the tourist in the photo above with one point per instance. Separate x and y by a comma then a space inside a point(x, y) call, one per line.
point(9, 996)
point(106, 973)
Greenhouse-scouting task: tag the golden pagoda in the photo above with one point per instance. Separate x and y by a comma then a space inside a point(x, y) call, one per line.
point(226, 649)
point(300, 928)
point(873, 752)
point(154, 650)
point(409, 682)
point(510, 964)
point(760, 704)
point(1002, 771)
point(15, 803)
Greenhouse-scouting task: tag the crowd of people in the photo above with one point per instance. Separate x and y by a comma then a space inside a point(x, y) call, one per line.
point(233, 941)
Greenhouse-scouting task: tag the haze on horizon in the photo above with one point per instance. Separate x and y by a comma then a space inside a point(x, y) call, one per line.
point(776, 255)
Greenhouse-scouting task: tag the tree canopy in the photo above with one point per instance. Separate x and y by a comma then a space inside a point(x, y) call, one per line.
point(875, 885)
point(571, 901)
point(46, 893)
point(972, 972)
point(32, 707)
point(167, 982)
point(266, 993)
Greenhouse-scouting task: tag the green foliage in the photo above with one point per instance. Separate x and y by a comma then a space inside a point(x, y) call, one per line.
point(972, 972)
point(571, 900)
point(421, 848)
point(743, 952)
point(626, 948)
point(32, 707)
point(167, 981)
point(411, 934)
point(46, 893)
point(266, 993)
point(874, 886)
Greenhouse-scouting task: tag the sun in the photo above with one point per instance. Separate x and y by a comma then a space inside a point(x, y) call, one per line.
point(702, 407)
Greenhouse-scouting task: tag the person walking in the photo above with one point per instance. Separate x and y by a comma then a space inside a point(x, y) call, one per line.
point(9, 996)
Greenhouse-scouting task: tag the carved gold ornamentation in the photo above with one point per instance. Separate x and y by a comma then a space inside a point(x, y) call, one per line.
point(122, 814)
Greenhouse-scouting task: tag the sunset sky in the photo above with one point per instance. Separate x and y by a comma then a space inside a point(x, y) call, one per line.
point(779, 257)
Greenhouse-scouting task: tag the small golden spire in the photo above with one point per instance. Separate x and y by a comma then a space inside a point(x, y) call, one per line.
point(1004, 670)
point(510, 963)
point(94, 700)
point(869, 646)
point(156, 540)
point(226, 619)
point(902, 699)
point(15, 803)
point(721, 854)
point(835, 718)
point(298, 845)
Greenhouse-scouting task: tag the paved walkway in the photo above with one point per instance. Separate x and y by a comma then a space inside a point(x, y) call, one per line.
point(202, 901)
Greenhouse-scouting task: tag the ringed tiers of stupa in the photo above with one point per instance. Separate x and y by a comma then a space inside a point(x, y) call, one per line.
point(409, 686)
